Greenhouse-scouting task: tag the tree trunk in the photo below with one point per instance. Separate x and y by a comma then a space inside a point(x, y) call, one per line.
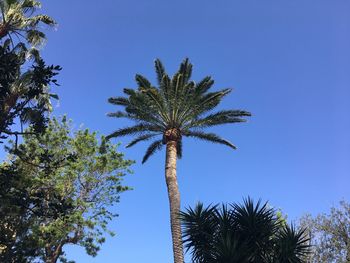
point(52, 254)
point(3, 30)
point(174, 201)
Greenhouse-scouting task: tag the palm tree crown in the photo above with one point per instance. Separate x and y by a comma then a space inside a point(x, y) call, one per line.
point(16, 18)
point(177, 107)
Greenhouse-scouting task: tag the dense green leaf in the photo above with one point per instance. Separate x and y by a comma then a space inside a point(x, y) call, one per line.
point(57, 190)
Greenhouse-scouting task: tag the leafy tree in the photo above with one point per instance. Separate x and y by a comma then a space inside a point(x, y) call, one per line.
point(245, 233)
point(17, 245)
point(19, 18)
point(177, 107)
point(24, 83)
point(330, 235)
point(57, 190)
point(24, 90)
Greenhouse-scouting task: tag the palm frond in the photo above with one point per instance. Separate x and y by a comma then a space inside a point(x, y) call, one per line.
point(174, 95)
point(165, 86)
point(138, 117)
point(140, 128)
point(204, 85)
point(159, 70)
point(138, 107)
point(186, 70)
point(142, 138)
point(154, 95)
point(211, 137)
point(179, 149)
point(29, 4)
point(142, 82)
point(184, 101)
point(34, 21)
point(20, 21)
point(211, 100)
point(35, 37)
point(202, 104)
point(129, 92)
point(121, 101)
point(153, 148)
point(119, 114)
point(221, 117)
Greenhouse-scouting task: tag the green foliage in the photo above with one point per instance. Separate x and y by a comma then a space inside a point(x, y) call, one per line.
point(15, 216)
point(177, 107)
point(24, 76)
point(19, 18)
point(71, 183)
point(24, 90)
point(330, 235)
point(241, 233)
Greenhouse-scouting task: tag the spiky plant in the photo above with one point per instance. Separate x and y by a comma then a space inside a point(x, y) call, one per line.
point(292, 245)
point(18, 18)
point(178, 107)
point(248, 233)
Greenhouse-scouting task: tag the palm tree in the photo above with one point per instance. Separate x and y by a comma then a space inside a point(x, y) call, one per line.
point(17, 19)
point(245, 233)
point(177, 107)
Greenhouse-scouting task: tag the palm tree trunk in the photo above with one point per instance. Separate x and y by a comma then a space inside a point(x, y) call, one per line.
point(174, 200)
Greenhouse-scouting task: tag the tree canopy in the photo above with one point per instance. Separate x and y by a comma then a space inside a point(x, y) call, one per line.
point(59, 189)
point(330, 234)
point(24, 91)
point(24, 76)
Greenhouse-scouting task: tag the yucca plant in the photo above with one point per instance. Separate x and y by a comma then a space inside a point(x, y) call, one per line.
point(292, 245)
point(177, 107)
point(241, 233)
point(18, 18)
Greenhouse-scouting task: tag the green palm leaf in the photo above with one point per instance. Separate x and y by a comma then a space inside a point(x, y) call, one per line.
point(134, 130)
point(17, 19)
point(141, 138)
point(186, 70)
point(204, 85)
point(221, 117)
point(121, 101)
point(211, 137)
point(142, 82)
point(155, 146)
point(179, 149)
point(159, 70)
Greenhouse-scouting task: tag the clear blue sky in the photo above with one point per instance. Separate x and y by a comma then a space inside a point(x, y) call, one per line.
point(289, 64)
